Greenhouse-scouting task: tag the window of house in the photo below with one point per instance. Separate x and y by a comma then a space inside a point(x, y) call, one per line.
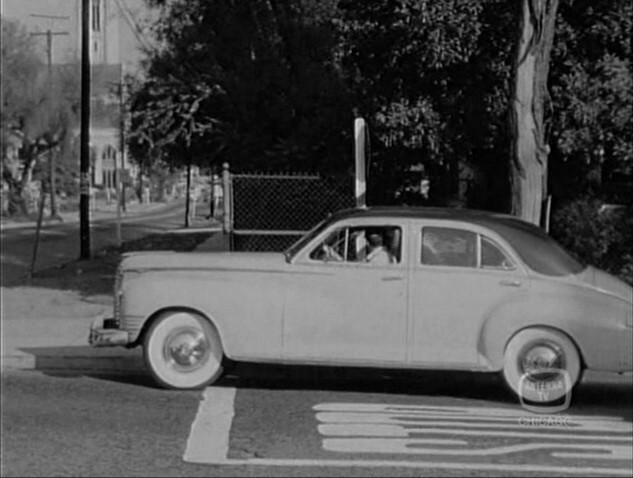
point(442, 246)
point(96, 16)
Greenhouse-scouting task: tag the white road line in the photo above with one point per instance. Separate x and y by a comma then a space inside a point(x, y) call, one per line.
point(579, 425)
point(209, 435)
point(209, 440)
point(447, 412)
point(409, 446)
point(502, 468)
point(385, 430)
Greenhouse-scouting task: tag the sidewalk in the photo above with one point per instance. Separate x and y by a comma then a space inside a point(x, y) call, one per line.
point(47, 329)
point(100, 210)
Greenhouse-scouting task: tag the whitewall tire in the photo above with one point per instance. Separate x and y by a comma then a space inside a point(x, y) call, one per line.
point(182, 350)
point(548, 358)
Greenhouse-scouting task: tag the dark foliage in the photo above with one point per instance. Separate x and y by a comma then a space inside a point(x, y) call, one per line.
point(602, 237)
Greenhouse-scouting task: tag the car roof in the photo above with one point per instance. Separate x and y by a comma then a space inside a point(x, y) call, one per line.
point(421, 213)
point(505, 225)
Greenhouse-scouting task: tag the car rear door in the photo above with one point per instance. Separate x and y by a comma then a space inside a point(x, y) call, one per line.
point(454, 284)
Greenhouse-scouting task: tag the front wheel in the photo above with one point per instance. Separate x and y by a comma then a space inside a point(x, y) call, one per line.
point(541, 365)
point(182, 350)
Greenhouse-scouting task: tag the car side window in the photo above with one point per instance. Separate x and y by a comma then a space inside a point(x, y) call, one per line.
point(443, 246)
point(361, 244)
point(492, 257)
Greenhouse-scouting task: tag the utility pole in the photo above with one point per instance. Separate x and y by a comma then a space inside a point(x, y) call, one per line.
point(122, 135)
point(84, 165)
point(117, 171)
point(49, 53)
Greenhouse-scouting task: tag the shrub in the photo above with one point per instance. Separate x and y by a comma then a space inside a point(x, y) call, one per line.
point(597, 235)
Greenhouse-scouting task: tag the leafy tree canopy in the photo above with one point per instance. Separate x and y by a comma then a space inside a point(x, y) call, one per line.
point(38, 111)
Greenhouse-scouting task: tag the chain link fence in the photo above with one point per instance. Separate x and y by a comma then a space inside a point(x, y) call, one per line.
point(270, 212)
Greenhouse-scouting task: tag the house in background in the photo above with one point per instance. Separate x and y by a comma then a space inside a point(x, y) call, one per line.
point(117, 39)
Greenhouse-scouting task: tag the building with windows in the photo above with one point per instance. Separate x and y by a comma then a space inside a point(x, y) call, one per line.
point(117, 40)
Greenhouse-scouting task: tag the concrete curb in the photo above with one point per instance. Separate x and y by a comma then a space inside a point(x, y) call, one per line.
point(190, 230)
point(84, 359)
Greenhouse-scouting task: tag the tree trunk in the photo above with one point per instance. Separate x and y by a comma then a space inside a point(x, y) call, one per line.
point(530, 100)
point(28, 165)
point(52, 183)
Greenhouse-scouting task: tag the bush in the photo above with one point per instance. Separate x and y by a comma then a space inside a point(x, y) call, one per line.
point(602, 237)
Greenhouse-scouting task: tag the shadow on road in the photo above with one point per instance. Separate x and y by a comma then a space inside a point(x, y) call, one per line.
point(126, 366)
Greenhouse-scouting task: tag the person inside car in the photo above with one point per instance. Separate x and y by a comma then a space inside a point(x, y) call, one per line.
point(377, 252)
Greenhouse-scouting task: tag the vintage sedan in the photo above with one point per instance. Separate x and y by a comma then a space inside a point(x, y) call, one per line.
point(417, 288)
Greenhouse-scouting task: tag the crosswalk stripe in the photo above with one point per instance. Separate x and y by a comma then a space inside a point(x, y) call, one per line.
point(209, 435)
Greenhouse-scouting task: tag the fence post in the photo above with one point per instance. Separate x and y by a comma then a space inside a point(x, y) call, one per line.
point(227, 200)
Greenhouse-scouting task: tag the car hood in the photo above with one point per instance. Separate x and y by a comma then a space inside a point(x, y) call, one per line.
point(262, 261)
point(605, 283)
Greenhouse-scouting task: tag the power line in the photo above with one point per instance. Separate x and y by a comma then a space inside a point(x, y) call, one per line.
point(129, 18)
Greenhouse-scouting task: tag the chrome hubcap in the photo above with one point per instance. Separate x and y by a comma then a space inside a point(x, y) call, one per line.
point(542, 357)
point(186, 349)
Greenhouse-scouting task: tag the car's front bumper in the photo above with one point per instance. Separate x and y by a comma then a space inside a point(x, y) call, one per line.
point(104, 332)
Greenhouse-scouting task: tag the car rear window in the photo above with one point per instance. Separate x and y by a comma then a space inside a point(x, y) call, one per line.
point(539, 251)
point(444, 246)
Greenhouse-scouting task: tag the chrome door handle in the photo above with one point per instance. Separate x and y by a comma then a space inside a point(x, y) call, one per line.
point(391, 278)
point(510, 283)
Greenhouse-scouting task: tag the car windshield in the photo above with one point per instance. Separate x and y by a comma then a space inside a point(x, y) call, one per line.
point(307, 237)
point(539, 251)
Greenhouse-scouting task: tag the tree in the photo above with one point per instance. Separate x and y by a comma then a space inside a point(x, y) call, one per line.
point(277, 96)
point(530, 109)
point(35, 116)
point(405, 61)
point(592, 88)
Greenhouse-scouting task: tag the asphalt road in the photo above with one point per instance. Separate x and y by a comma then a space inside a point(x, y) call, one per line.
point(60, 242)
point(276, 421)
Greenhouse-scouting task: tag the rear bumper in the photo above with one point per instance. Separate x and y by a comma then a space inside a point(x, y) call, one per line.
point(103, 333)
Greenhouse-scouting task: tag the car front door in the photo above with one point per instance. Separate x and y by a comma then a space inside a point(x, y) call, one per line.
point(340, 308)
point(459, 275)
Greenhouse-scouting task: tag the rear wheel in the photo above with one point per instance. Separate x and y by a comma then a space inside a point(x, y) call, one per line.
point(182, 350)
point(541, 365)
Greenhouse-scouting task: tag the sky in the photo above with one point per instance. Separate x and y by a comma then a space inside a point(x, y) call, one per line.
point(123, 43)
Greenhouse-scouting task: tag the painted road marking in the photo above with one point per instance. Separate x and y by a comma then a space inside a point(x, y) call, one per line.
point(363, 429)
point(209, 436)
point(403, 420)
point(411, 446)
point(524, 470)
point(396, 429)
point(208, 441)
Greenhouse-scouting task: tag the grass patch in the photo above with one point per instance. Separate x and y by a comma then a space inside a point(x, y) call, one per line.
point(96, 276)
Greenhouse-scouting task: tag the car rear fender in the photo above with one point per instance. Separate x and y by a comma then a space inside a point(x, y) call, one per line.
point(508, 319)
